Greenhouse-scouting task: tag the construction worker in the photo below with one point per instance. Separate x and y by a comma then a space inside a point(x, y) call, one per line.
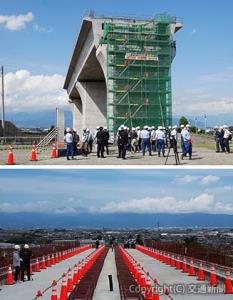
point(181, 138)
point(226, 138)
point(123, 141)
point(89, 140)
point(75, 141)
point(84, 145)
point(25, 255)
point(69, 142)
point(187, 140)
point(145, 137)
point(139, 139)
point(16, 262)
point(160, 138)
point(100, 142)
point(107, 136)
point(217, 136)
point(134, 140)
point(174, 138)
point(153, 139)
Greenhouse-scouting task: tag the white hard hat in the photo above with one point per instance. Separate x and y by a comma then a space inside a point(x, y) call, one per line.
point(169, 127)
point(97, 127)
point(225, 126)
point(163, 128)
point(26, 246)
point(145, 127)
point(152, 127)
point(182, 126)
point(125, 127)
point(188, 125)
point(174, 127)
point(105, 128)
point(216, 127)
point(160, 127)
point(133, 128)
point(122, 127)
point(138, 127)
point(17, 247)
point(74, 129)
point(221, 127)
point(68, 129)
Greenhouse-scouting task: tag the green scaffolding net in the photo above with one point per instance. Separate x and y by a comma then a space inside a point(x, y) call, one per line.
point(139, 58)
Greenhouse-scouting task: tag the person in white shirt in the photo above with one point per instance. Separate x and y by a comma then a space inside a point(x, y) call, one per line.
point(160, 138)
point(153, 139)
point(145, 136)
point(69, 142)
point(174, 138)
point(187, 142)
point(226, 139)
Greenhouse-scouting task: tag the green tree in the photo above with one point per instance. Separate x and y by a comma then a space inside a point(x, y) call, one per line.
point(183, 121)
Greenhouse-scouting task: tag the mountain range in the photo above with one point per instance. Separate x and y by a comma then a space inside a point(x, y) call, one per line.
point(116, 220)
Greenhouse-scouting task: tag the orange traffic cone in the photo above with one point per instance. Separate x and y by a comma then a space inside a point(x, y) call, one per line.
point(9, 276)
point(43, 264)
point(70, 282)
point(184, 266)
point(54, 152)
point(48, 262)
point(37, 266)
point(54, 291)
point(228, 284)
point(148, 293)
point(201, 274)
point(33, 153)
point(75, 276)
point(63, 293)
point(192, 270)
point(213, 277)
point(10, 160)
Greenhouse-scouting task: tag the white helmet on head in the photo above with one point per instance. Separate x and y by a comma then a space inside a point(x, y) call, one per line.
point(181, 126)
point(152, 127)
point(188, 126)
point(97, 127)
point(26, 246)
point(133, 128)
point(160, 127)
point(122, 127)
point(105, 128)
point(87, 129)
point(68, 129)
point(145, 127)
point(17, 247)
point(225, 126)
point(216, 127)
point(174, 127)
point(169, 127)
point(125, 127)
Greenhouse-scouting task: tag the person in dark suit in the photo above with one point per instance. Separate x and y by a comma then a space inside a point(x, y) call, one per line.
point(101, 138)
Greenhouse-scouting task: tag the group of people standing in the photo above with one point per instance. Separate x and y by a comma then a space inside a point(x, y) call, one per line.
point(222, 136)
point(22, 262)
point(148, 139)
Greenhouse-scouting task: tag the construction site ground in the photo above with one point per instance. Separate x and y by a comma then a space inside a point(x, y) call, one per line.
point(201, 156)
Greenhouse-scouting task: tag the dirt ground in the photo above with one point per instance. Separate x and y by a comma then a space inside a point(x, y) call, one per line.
point(203, 154)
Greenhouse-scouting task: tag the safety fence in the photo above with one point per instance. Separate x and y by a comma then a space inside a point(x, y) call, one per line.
point(197, 268)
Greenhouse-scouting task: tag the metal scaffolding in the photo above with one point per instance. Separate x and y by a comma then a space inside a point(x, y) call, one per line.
point(139, 58)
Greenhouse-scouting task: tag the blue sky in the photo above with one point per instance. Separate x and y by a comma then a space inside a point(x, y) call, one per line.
point(112, 191)
point(42, 46)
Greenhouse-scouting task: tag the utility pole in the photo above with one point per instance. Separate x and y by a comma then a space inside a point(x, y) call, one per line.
point(205, 116)
point(3, 107)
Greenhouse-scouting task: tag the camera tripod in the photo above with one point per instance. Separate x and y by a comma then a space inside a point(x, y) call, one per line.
point(174, 147)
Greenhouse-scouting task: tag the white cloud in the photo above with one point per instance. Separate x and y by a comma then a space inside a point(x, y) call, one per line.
point(41, 29)
point(204, 203)
point(210, 179)
point(34, 92)
point(15, 23)
point(188, 179)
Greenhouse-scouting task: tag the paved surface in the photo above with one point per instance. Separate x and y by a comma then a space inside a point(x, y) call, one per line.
point(169, 276)
point(102, 289)
point(201, 156)
point(27, 290)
